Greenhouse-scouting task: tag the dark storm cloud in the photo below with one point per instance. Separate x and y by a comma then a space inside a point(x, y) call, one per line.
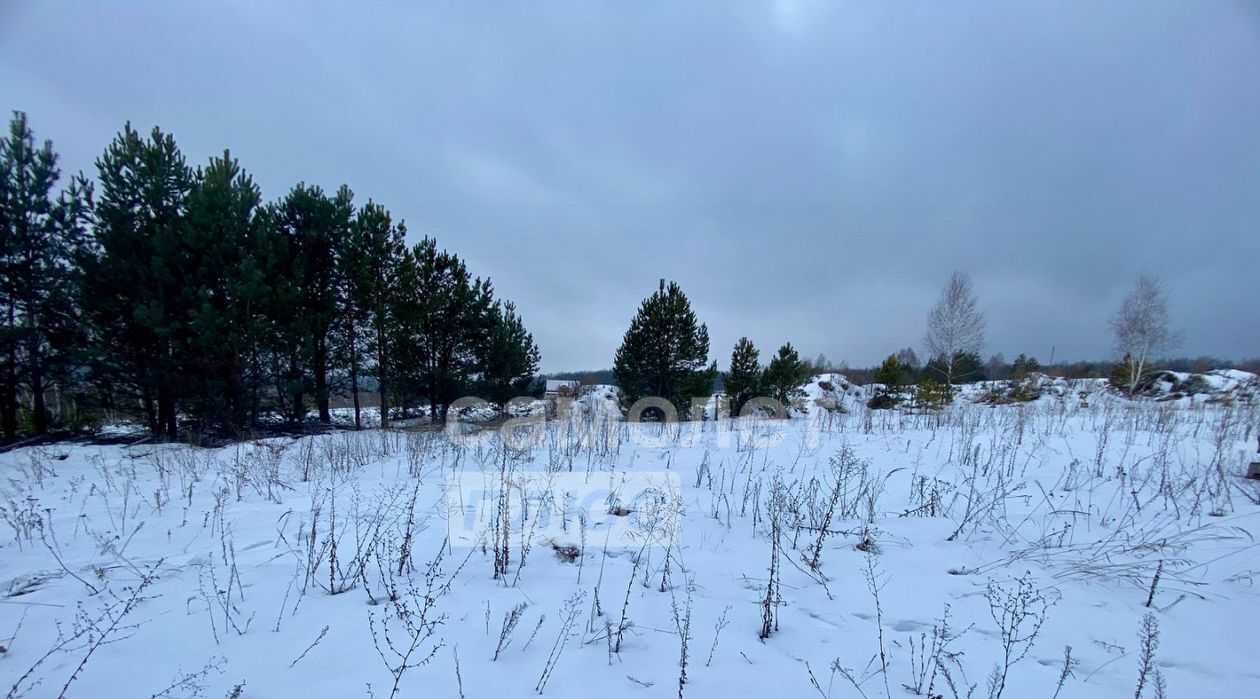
point(808, 171)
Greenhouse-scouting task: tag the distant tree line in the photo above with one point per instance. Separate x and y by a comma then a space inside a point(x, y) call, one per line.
point(175, 294)
point(665, 354)
point(589, 377)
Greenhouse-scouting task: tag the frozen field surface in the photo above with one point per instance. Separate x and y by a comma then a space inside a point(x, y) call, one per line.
point(886, 553)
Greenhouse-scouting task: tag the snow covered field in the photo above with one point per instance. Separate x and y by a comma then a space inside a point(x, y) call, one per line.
point(886, 553)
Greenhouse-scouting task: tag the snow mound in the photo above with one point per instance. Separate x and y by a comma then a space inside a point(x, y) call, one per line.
point(1217, 384)
point(831, 392)
point(533, 408)
point(1033, 387)
point(484, 412)
point(598, 401)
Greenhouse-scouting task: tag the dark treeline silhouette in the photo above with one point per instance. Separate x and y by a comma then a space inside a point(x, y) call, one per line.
point(176, 295)
point(996, 368)
point(588, 377)
point(745, 367)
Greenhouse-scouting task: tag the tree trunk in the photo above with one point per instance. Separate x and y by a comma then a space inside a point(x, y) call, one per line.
point(255, 383)
point(166, 395)
point(354, 391)
point(382, 372)
point(39, 404)
point(150, 414)
point(10, 407)
point(354, 372)
point(166, 412)
point(320, 367)
point(9, 417)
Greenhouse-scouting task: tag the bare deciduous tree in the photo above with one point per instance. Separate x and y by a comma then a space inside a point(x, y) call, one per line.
point(955, 325)
point(1141, 328)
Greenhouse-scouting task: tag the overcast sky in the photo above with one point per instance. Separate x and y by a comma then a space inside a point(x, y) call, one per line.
point(807, 171)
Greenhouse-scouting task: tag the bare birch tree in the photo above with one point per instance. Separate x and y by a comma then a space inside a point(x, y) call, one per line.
point(955, 326)
point(1141, 328)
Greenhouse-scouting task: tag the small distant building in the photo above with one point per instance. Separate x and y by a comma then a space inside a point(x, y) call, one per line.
point(559, 388)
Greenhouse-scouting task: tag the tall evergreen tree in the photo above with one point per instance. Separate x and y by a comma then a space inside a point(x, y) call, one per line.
point(786, 373)
point(379, 253)
point(314, 225)
point(353, 273)
point(509, 357)
point(40, 237)
point(443, 316)
point(264, 294)
point(665, 352)
point(131, 287)
point(744, 380)
point(221, 291)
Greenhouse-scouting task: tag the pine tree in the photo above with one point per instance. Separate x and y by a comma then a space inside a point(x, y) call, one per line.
point(408, 308)
point(376, 256)
point(220, 289)
point(40, 237)
point(261, 287)
point(353, 275)
point(131, 288)
point(281, 352)
point(786, 373)
point(442, 320)
point(665, 352)
point(509, 357)
point(891, 373)
point(1024, 365)
point(744, 380)
point(315, 226)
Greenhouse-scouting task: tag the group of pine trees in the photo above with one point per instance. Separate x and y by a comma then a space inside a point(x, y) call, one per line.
point(665, 352)
point(176, 294)
point(781, 379)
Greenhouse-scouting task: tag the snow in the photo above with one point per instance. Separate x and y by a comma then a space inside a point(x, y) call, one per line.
point(834, 393)
point(1212, 385)
point(598, 402)
point(1088, 493)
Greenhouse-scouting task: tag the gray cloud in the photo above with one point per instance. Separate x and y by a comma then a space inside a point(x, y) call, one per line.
point(808, 171)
